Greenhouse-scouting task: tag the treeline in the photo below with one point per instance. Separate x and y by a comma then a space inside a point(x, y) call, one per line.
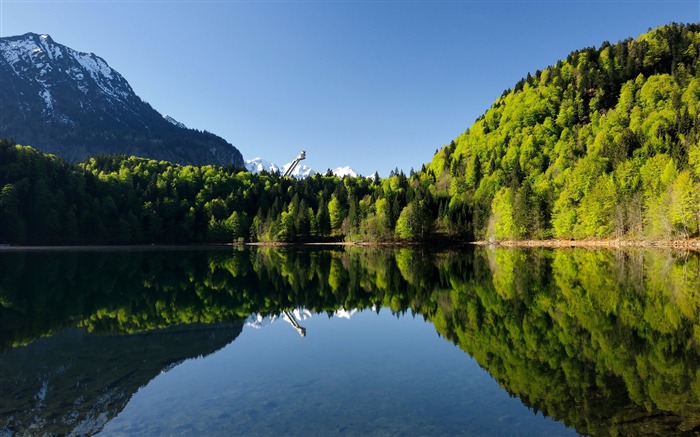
point(604, 144)
point(126, 200)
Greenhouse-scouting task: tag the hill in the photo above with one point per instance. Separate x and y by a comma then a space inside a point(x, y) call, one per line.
point(602, 144)
point(75, 105)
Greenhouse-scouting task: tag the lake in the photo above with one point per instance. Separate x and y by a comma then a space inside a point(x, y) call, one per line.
point(350, 341)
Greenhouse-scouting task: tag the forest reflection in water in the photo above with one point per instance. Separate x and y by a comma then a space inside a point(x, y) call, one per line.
point(607, 342)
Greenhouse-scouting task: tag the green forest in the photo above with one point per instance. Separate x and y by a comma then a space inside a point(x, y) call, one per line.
point(129, 200)
point(604, 144)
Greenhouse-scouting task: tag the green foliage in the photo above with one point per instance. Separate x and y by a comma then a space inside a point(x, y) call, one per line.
point(336, 213)
point(502, 213)
point(581, 138)
point(603, 144)
point(128, 200)
point(414, 222)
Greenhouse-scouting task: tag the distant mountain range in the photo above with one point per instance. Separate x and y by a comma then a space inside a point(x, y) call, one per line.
point(257, 165)
point(74, 105)
point(299, 315)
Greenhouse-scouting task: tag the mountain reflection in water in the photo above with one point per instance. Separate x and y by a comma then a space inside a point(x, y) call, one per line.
point(606, 342)
point(74, 383)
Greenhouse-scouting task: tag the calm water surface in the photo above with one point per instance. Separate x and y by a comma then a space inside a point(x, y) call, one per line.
point(372, 374)
point(350, 341)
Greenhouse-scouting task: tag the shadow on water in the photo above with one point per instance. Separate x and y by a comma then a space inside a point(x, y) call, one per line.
point(607, 342)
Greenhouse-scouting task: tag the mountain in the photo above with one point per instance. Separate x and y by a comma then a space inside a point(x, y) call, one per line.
point(345, 171)
point(295, 316)
point(74, 105)
point(175, 122)
point(301, 171)
point(257, 165)
point(605, 144)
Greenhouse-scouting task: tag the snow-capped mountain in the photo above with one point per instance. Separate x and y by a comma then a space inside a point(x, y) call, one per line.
point(173, 121)
point(301, 171)
point(345, 171)
point(74, 104)
point(294, 317)
point(256, 165)
point(345, 314)
point(258, 321)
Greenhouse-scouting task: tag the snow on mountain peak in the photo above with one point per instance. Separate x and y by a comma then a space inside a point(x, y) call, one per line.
point(173, 121)
point(258, 321)
point(301, 171)
point(256, 165)
point(67, 99)
point(345, 314)
point(345, 171)
point(35, 55)
point(95, 65)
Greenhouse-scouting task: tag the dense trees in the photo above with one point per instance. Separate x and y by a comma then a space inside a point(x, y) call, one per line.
point(604, 144)
point(122, 200)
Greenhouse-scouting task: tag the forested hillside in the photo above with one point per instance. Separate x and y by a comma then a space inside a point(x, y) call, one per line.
point(123, 200)
point(602, 145)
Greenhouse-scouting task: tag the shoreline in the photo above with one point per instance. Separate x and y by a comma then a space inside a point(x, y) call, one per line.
point(689, 244)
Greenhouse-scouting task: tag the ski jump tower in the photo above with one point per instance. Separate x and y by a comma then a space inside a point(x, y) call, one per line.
point(293, 165)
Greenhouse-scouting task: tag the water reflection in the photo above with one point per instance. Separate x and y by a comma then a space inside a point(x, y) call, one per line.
point(74, 383)
point(605, 341)
point(293, 317)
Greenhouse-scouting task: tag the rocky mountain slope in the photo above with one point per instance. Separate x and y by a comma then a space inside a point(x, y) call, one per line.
point(74, 105)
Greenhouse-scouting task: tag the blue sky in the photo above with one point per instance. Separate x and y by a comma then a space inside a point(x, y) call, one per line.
point(370, 84)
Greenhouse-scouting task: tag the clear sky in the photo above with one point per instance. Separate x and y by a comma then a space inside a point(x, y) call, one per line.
point(370, 84)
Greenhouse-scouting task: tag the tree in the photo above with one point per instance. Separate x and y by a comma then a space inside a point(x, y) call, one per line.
point(323, 218)
point(302, 220)
point(237, 225)
point(415, 222)
point(502, 215)
point(12, 226)
point(337, 213)
point(684, 210)
point(596, 213)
